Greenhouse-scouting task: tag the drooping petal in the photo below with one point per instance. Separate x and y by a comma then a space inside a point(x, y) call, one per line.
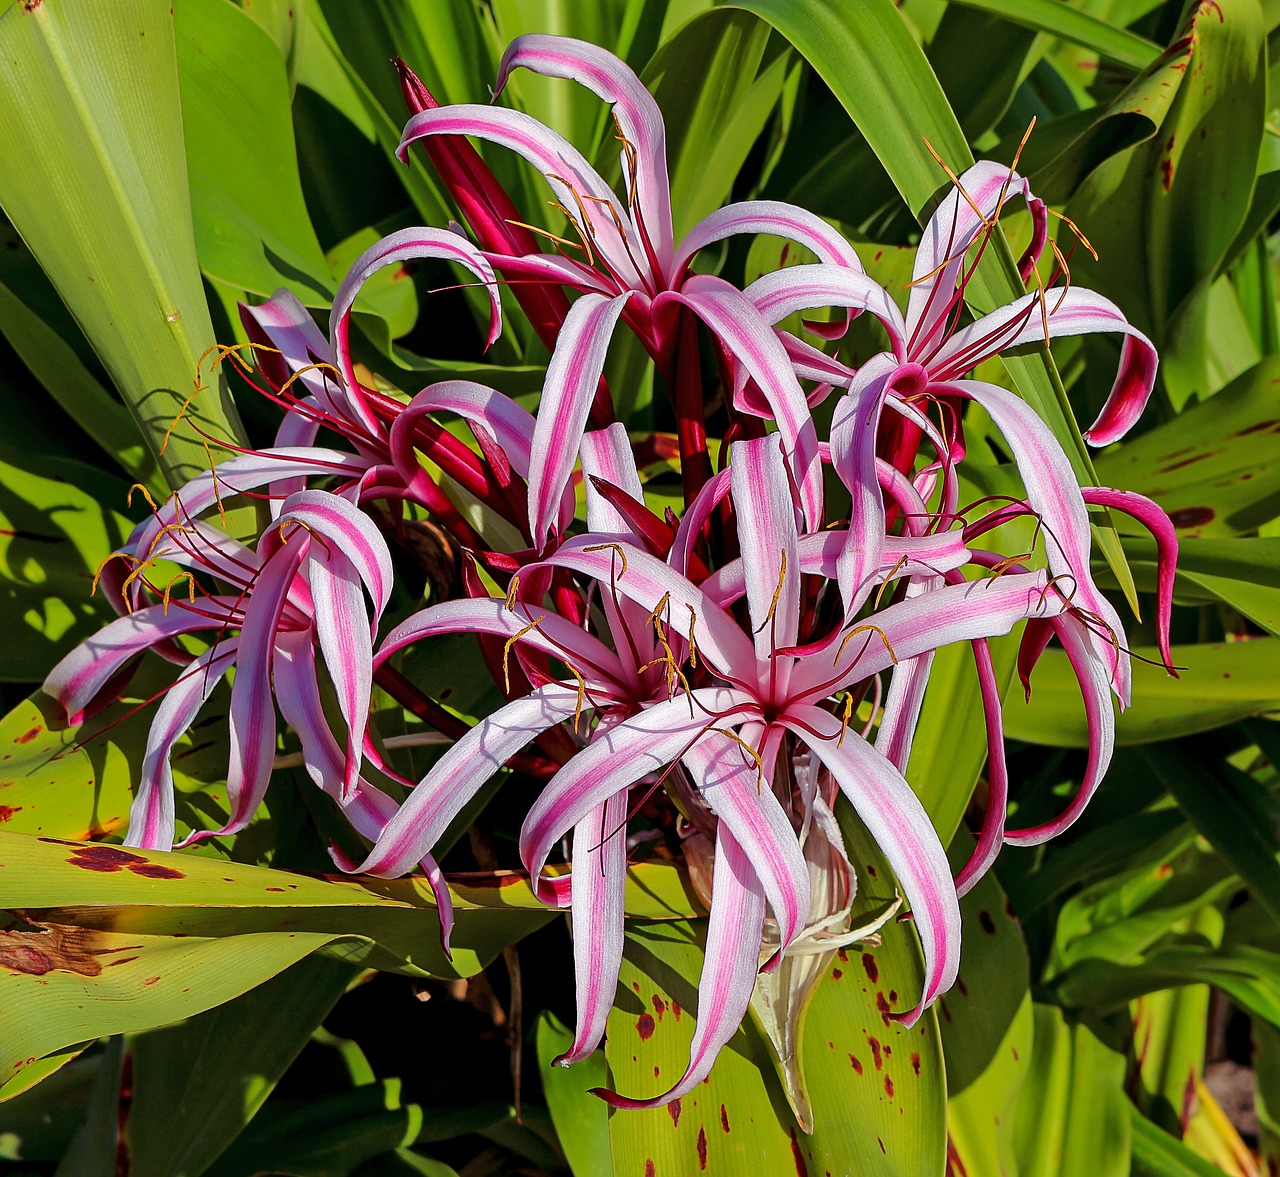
point(576, 184)
point(248, 472)
point(1054, 494)
point(401, 246)
point(615, 759)
point(854, 427)
point(85, 670)
point(572, 378)
point(368, 808)
point(897, 821)
point(1067, 312)
point(151, 817)
point(964, 214)
point(767, 536)
point(1152, 516)
point(642, 578)
point(599, 891)
point(730, 783)
point(288, 343)
point(991, 835)
point(1095, 688)
point(728, 969)
point(639, 121)
point(457, 775)
point(940, 617)
point(774, 217)
point(804, 288)
point(252, 719)
point(544, 631)
point(745, 335)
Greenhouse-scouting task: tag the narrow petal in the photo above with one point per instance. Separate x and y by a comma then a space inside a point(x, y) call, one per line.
point(805, 288)
point(767, 537)
point(572, 378)
point(745, 335)
point(991, 835)
point(1152, 516)
point(728, 970)
point(83, 672)
point(151, 817)
point(442, 793)
point(290, 344)
point(639, 121)
point(777, 218)
point(964, 215)
point(1067, 312)
point(940, 617)
point(252, 718)
point(576, 184)
point(1101, 720)
point(546, 632)
point(599, 891)
point(401, 246)
point(897, 822)
point(640, 577)
point(1054, 494)
point(730, 783)
point(615, 759)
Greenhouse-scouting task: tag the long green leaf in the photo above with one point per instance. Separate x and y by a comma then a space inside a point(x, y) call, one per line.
point(196, 1085)
point(92, 111)
point(1059, 20)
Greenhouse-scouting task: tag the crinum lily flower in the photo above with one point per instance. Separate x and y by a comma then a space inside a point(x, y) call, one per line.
point(632, 268)
point(727, 737)
point(930, 354)
point(303, 586)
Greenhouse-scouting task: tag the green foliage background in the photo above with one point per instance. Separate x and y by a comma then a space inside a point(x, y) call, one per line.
point(159, 163)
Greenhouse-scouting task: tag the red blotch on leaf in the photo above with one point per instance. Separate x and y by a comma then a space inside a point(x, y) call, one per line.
point(702, 1148)
point(644, 1026)
point(673, 1110)
point(873, 970)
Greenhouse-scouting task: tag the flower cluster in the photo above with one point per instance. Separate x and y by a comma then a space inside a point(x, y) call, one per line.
point(750, 658)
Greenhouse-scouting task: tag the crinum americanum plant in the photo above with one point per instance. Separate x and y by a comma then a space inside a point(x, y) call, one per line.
point(749, 661)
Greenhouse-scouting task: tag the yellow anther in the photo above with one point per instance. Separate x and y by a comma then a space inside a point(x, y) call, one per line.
point(506, 651)
point(777, 593)
point(867, 627)
point(168, 590)
point(217, 494)
point(146, 494)
point(959, 187)
point(327, 370)
point(513, 590)
point(97, 576)
point(652, 619)
point(544, 232)
point(182, 412)
point(693, 646)
point(845, 717)
point(884, 584)
point(582, 691)
point(750, 751)
point(618, 549)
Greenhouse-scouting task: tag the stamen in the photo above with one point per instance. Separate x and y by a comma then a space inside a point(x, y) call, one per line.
point(777, 593)
point(191, 589)
point(146, 494)
point(750, 751)
point(506, 652)
point(512, 590)
point(541, 233)
point(867, 627)
point(845, 717)
point(618, 549)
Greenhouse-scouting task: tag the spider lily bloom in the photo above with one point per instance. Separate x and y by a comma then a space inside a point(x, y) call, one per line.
point(289, 346)
point(631, 268)
point(729, 738)
point(305, 583)
point(926, 344)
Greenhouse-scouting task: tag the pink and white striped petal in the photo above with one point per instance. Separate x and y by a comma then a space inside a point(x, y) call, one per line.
point(729, 968)
point(767, 537)
point(473, 759)
point(597, 905)
point(897, 821)
point(750, 340)
point(776, 218)
point(730, 782)
point(1073, 311)
point(572, 378)
point(394, 249)
point(638, 116)
point(151, 817)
